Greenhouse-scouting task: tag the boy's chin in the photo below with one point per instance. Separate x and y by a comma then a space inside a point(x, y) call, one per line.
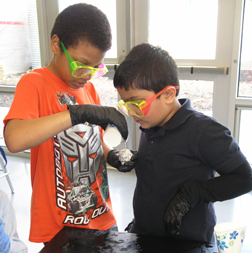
point(145, 126)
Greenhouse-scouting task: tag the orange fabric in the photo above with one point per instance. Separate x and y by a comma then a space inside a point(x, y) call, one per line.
point(57, 173)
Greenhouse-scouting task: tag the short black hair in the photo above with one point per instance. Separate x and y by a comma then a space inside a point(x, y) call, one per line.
point(83, 22)
point(147, 67)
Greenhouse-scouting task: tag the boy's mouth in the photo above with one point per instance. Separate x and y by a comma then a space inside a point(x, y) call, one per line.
point(138, 121)
point(81, 84)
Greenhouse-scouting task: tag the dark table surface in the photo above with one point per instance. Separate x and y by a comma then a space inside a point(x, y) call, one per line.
point(86, 240)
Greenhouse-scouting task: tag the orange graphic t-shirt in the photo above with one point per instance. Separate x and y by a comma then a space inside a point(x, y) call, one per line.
point(68, 172)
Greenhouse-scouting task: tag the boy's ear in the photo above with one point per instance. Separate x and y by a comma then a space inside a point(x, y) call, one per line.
point(170, 94)
point(55, 44)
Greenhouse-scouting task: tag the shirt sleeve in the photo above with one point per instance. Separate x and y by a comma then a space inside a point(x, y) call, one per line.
point(220, 152)
point(218, 149)
point(220, 188)
point(9, 224)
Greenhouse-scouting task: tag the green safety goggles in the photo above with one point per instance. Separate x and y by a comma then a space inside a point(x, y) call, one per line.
point(79, 70)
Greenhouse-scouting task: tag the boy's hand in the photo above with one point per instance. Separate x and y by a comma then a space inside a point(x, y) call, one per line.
point(113, 160)
point(98, 115)
point(4, 240)
point(174, 213)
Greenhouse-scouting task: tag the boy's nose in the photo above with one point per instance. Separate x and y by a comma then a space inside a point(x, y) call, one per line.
point(131, 114)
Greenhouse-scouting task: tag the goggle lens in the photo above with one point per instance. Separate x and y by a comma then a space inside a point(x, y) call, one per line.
point(140, 108)
point(79, 70)
point(130, 109)
point(83, 71)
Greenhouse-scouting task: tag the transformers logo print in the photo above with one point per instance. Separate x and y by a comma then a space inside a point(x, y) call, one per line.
point(66, 99)
point(80, 199)
point(80, 149)
point(82, 152)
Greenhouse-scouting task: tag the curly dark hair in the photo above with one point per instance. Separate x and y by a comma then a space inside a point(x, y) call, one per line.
point(83, 22)
point(147, 67)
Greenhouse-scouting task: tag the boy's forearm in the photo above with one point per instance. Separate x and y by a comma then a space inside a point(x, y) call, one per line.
point(20, 135)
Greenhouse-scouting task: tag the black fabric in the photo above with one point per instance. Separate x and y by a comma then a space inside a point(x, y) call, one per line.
point(113, 160)
point(220, 188)
point(98, 115)
point(189, 147)
point(174, 213)
point(129, 226)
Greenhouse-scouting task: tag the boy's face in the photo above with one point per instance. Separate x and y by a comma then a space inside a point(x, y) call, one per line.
point(161, 109)
point(83, 53)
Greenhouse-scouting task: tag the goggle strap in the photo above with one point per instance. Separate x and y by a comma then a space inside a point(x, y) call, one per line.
point(148, 101)
point(66, 53)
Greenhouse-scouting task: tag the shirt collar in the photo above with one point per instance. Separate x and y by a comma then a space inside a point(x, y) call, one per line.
point(177, 119)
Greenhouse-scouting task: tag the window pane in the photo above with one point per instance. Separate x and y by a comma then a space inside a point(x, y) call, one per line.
point(108, 9)
point(245, 81)
point(200, 93)
point(185, 28)
point(19, 41)
point(19, 47)
point(245, 136)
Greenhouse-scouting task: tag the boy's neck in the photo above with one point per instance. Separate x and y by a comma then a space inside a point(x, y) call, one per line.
point(52, 69)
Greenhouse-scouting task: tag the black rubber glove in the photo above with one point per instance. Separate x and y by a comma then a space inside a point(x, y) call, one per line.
point(174, 213)
point(98, 115)
point(221, 188)
point(113, 160)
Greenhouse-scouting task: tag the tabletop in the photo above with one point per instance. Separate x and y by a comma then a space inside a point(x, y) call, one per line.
point(87, 240)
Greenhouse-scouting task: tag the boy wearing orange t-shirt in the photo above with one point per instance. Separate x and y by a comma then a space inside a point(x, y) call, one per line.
point(56, 113)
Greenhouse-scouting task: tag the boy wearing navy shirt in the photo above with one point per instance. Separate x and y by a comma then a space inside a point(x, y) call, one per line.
point(180, 151)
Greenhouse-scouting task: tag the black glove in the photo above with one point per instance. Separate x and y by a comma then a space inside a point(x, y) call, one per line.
point(128, 228)
point(98, 115)
point(174, 213)
point(204, 191)
point(113, 160)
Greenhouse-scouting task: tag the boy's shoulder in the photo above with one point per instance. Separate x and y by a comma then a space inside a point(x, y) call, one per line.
point(186, 115)
point(37, 78)
point(37, 74)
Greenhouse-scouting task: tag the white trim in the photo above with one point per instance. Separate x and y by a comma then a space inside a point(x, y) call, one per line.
point(141, 21)
point(235, 61)
point(238, 109)
point(121, 8)
point(7, 88)
point(47, 11)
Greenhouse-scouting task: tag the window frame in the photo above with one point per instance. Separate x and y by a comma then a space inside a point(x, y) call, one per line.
point(226, 34)
point(132, 29)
